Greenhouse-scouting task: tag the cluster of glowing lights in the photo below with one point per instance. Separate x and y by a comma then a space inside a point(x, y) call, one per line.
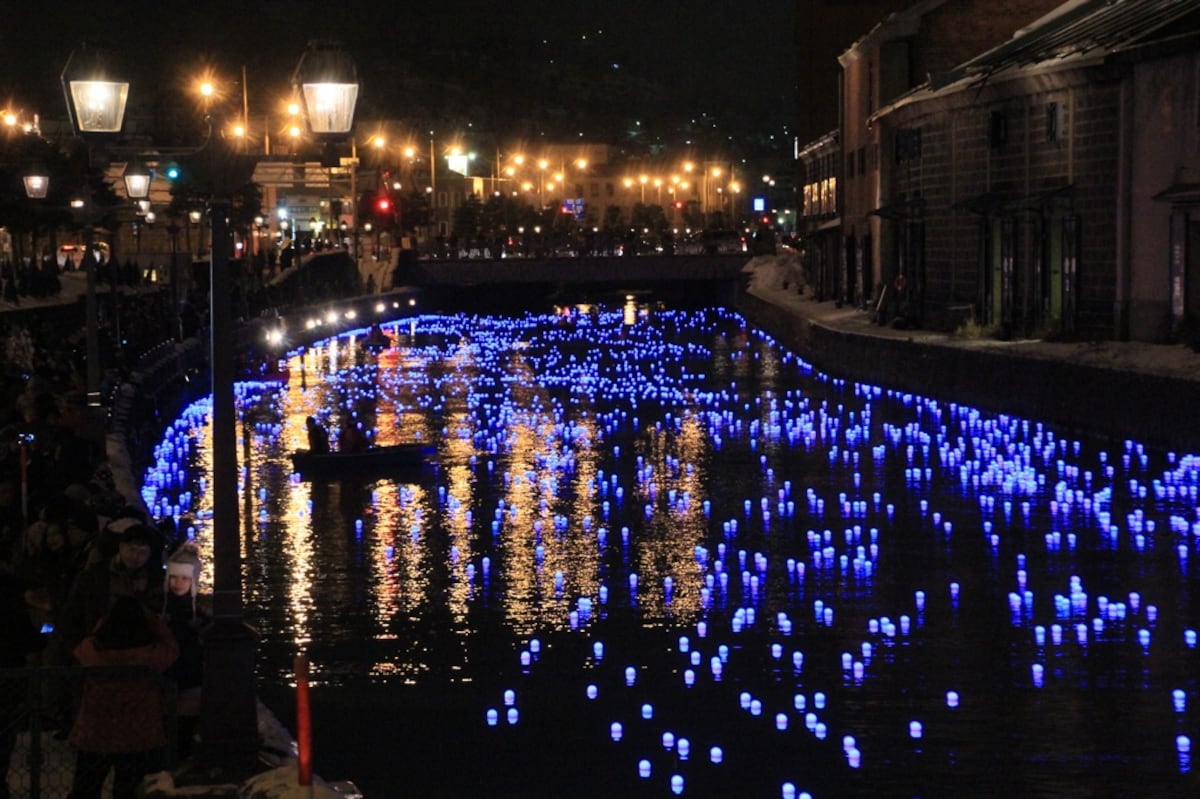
point(752, 585)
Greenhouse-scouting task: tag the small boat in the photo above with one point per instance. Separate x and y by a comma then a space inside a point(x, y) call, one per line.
point(268, 372)
point(375, 460)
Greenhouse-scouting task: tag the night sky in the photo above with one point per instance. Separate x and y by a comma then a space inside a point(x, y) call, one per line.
point(715, 52)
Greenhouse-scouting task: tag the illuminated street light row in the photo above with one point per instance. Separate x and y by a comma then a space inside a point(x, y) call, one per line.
point(535, 176)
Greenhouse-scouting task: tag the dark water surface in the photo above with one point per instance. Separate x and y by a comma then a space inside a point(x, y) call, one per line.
point(681, 528)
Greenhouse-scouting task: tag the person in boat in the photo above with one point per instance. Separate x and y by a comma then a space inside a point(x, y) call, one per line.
point(318, 437)
point(350, 438)
point(376, 337)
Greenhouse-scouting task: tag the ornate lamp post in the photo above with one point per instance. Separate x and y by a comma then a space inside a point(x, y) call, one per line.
point(37, 185)
point(326, 80)
point(96, 97)
point(196, 218)
point(95, 92)
point(259, 232)
point(173, 231)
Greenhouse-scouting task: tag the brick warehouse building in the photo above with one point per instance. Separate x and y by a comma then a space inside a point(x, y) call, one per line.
point(887, 63)
point(1044, 187)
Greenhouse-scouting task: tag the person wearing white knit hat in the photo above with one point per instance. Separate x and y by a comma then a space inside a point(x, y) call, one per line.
point(183, 575)
point(185, 620)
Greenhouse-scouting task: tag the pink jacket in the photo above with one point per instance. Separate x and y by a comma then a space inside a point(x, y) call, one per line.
point(119, 712)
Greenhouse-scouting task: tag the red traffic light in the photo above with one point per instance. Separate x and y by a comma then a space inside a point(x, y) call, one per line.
point(383, 205)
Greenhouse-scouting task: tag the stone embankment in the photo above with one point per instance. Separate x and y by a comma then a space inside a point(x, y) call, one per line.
point(1149, 393)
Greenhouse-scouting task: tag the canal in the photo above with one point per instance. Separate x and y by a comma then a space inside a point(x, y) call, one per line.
point(657, 554)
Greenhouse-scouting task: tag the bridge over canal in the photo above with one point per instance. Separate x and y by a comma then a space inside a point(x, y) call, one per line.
point(530, 282)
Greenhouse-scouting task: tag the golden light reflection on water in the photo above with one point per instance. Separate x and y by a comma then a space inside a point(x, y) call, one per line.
point(580, 549)
point(527, 518)
point(535, 470)
point(298, 541)
point(202, 447)
point(674, 490)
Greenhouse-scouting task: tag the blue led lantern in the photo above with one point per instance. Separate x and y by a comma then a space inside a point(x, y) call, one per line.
point(95, 91)
point(326, 81)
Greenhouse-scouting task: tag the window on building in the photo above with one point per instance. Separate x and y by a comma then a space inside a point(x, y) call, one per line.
point(870, 88)
point(1196, 94)
point(908, 144)
point(997, 130)
point(1055, 114)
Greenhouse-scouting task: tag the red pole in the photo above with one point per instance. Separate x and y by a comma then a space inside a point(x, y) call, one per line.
point(303, 723)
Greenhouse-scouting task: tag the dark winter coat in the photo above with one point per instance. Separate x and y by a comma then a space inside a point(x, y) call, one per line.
point(123, 712)
point(185, 623)
point(18, 638)
point(96, 587)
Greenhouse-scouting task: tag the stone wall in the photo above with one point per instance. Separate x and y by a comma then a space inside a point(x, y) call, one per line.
point(1156, 410)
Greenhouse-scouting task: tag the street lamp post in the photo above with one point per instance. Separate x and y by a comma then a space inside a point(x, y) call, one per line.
point(326, 81)
point(96, 98)
point(228, 713)
point(257, 243)
point(173, 275)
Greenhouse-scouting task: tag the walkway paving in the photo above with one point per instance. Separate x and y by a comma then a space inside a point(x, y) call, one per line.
point(1169, 360)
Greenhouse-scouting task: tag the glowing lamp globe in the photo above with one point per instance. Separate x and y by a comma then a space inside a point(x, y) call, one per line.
point(95, 93)
point(137, 180)
point(36, 185)
point(326, 80)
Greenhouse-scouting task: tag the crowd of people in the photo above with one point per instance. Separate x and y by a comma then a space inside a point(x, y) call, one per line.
point(87, 578)
point(29, 278)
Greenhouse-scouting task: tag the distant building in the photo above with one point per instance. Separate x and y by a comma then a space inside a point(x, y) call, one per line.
point(819, 220)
